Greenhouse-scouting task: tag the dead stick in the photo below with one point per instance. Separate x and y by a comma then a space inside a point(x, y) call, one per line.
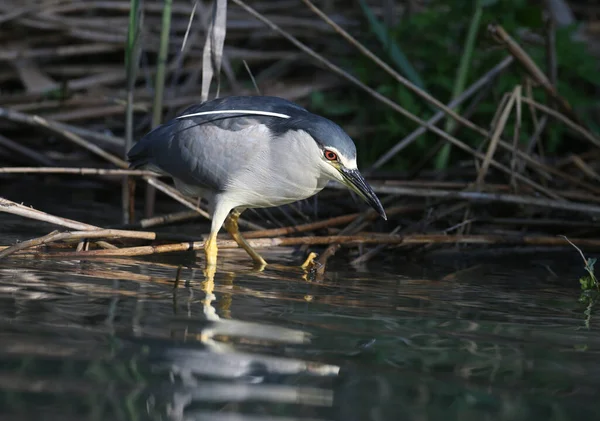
point(9, 206)
point(345, 240)
point(62, 236)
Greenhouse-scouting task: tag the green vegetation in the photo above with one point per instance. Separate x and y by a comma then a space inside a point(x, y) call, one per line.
point(589, 281)
point(444, 49)
point(590, 287)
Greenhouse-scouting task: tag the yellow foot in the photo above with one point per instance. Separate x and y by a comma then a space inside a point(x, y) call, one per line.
point(260, 266)
point(310, 261)
point(231, 225)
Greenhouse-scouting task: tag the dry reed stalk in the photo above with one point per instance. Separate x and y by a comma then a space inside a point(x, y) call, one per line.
point(349, 240)
point(557, 223)
point(499, 128)
point(74, 235)
point(9, 206)
point(213, 47)
point(516, 133)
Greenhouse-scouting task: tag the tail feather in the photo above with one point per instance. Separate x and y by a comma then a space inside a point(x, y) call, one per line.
point(140, 156)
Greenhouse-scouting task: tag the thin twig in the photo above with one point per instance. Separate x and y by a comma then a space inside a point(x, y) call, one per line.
point(365, 257)
point(161, 220)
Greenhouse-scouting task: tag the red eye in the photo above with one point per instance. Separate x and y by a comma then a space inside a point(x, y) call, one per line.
point(332, 156)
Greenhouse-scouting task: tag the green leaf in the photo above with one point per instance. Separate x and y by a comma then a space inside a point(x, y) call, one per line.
point(465, 63)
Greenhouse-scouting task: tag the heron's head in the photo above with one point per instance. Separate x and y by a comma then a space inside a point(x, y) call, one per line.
point(337, 159)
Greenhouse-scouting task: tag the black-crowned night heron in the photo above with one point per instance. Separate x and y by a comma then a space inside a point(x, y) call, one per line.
point(250, 152)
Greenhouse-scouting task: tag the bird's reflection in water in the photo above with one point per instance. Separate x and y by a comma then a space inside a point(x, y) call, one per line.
point(220, 373)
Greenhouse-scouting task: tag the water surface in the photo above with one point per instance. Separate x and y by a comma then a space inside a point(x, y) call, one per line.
point(448, 338)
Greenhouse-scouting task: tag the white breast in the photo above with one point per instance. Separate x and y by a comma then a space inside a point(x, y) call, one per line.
point(274, 176)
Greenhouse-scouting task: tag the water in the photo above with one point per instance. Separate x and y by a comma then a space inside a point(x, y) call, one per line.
point(450, 336)
point(115, 339)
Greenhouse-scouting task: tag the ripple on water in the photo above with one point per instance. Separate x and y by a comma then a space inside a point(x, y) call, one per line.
point(122, 339)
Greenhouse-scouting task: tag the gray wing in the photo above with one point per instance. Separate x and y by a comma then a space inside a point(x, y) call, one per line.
point(205, 150)
point(196, 151)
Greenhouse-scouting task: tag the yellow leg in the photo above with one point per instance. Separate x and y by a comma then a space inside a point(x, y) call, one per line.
point(210, 250)
point(231, 225)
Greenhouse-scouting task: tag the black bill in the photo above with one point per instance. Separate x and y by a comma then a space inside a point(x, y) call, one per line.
point(357, 183)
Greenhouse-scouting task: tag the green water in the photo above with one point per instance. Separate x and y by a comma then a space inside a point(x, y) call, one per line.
point(447, 336)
